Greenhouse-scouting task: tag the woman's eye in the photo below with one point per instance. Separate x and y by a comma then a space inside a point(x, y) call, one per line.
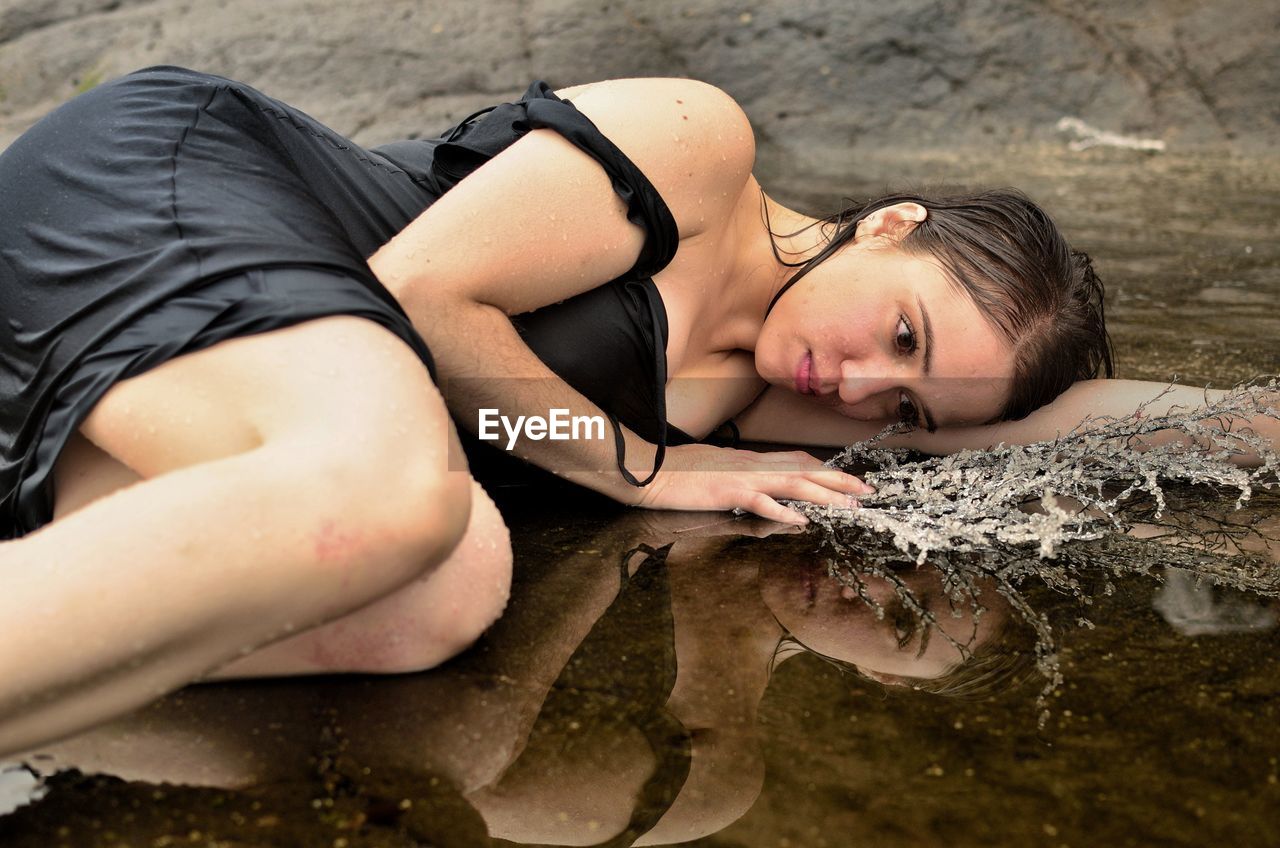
point(904, 622)
point(906, 336)
point(907, 412)
point(908, 623)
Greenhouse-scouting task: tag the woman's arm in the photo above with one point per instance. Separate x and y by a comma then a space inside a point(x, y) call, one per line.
point(780, 417)
point(541, 222)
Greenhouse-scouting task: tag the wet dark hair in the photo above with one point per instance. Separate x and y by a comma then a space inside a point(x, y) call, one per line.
point(1005, 661)
point(1009, 256)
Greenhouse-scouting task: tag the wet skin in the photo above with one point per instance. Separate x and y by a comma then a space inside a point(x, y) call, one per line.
point(879, 334)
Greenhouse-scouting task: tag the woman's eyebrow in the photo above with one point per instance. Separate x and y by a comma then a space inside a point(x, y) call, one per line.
point(924, 639)
point(928, 336)
point(929, 425)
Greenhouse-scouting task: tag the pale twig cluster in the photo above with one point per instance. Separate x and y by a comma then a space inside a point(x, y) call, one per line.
point(1053, 509)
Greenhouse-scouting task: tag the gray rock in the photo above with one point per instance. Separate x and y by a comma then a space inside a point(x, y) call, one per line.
point(823, 80)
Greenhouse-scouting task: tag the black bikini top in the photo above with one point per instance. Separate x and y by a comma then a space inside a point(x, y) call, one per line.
point(609, 343)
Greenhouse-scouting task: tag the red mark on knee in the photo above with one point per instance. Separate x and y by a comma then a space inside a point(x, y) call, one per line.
point(335, 543)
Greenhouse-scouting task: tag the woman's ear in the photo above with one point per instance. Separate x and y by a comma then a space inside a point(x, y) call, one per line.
point(894, 222)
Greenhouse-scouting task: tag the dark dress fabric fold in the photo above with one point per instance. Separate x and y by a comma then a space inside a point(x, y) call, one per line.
point(169, 210)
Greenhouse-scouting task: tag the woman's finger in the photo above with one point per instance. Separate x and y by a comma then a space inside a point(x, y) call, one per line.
point(794, 460)
point(815, 470)
point(764, 506)
point(840, 481)
point(799, 489)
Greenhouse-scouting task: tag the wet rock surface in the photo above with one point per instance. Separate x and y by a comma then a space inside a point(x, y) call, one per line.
point(819, 78)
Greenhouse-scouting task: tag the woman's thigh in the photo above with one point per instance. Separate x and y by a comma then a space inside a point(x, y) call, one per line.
point(338, 384)
point(415, 627)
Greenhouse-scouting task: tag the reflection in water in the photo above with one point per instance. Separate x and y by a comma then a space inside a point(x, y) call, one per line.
point(618, 702)
point(1195, 608)
point(1053, 511)
point(615, 703)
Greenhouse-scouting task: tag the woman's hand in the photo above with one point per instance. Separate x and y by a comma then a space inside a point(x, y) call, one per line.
point(704, 477)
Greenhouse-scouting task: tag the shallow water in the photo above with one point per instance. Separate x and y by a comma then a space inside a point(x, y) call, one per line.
point(1164, 730)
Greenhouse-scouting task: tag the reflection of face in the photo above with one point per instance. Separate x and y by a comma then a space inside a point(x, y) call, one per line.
point(881, 335)
point(829, 618)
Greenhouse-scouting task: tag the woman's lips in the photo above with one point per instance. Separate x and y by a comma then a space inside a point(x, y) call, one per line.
point(804, 375)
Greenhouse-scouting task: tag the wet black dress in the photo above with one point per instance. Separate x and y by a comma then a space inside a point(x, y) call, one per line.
point(168, 210)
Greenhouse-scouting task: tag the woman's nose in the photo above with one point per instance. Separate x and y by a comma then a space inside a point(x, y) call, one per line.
point(861, 381)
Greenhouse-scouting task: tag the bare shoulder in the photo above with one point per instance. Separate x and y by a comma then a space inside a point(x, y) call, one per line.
point(691, 139)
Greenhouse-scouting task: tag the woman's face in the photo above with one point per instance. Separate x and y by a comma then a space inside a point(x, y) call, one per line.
point(831, 619)
point(881, 335)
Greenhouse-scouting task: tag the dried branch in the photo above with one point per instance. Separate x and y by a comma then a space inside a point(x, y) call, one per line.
point(1052, 509)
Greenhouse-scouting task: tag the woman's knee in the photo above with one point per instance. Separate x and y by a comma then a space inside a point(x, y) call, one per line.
point(476, 577)
point(436, 616)
point(460, 599)
point(399, 508)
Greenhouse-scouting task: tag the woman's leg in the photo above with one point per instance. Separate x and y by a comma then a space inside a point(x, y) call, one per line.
point(290, 478)
point(418, 626)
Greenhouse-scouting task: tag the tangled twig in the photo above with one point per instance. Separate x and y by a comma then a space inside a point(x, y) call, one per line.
point(1052, 509)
